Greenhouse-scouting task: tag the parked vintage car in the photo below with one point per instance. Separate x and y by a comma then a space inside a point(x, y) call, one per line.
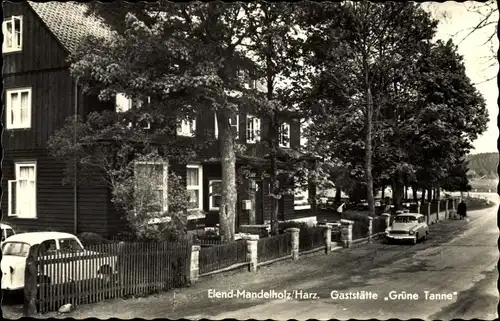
point(408, 226)
point(77, 264)
point(7, 231)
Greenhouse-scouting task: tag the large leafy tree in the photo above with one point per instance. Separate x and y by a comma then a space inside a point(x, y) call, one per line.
point(183, 57)
point(275, 46)
point(449, 114)
point(100, 145)
point(363, 49)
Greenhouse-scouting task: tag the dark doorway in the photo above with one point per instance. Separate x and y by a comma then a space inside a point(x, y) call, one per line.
point(259, 203)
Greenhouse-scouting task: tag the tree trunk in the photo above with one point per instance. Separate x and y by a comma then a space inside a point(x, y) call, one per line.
point(227, 212)
point(429, 194)
point(338, 194)
point(397, 192)
point(275, 184)
point(383, 191)
point(272, 135)
point(414, 191)
point(253, 199)
point(438, 193)
point(423, 195)
point(406, 192)
point(368, 140)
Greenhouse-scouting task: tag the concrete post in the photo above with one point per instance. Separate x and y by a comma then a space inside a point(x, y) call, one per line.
point(370, 229)
point(346, 232)
point(387, 217)
point(328, 238)
point(194, 270)
point(252, 255)
point(295, 241)
point(453, 204)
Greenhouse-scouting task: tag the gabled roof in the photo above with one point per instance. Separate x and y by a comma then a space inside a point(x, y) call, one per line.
point(68, 22)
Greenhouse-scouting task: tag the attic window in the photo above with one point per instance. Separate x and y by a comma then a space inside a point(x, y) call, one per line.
point(12, 29)
point(124, 104)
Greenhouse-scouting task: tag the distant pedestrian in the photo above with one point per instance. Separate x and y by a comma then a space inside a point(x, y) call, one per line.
point(462, 209)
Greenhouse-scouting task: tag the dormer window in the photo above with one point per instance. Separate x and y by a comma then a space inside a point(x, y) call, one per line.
point(124, 104)
point(284, 135)
point(12, 29)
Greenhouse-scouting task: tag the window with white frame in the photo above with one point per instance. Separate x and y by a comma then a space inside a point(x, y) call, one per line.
point(124, 103)
point(284, 135)
point(18, 108)
point(253, 129)
point(22, 191)
point(186, 128)
point(301, 198)
point(194, 182)
point(234, 122)
point(214, 192)
point(12, 29)
point(151, 182)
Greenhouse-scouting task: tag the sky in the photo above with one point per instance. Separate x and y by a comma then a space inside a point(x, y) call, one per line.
point(455, 21)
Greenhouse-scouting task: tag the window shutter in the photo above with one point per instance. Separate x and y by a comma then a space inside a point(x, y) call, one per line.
point(257, 129)
point(216, 126)
point(17, 32)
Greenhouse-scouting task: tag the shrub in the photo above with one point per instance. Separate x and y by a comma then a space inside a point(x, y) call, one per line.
point(282, 226)
point(356, 216)
point(89, 238)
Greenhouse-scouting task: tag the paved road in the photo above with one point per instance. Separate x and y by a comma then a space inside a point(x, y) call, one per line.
point(459, 257)
point(464, 267)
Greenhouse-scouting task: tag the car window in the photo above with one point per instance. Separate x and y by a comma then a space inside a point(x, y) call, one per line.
point(48, 247)
point(405, 219)
point(16, 249)
point(9, 232)
point(69, 245)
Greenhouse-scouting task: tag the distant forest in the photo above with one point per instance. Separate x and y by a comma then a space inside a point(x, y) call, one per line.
point(483, 165)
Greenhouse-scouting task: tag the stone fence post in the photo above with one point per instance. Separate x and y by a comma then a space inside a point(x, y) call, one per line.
point(30, 282)
point(295, 241)
point(194, 270)
point(327, 232)
point(252, 255)
point(370, 229)
point(387, 217)
point(346, 232)
point(429, 213)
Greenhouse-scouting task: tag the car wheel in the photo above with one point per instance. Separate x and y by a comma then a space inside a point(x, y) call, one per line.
point(415, 240)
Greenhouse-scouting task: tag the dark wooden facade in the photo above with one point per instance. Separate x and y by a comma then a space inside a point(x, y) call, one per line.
point(55, 95)
point(42, 66)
